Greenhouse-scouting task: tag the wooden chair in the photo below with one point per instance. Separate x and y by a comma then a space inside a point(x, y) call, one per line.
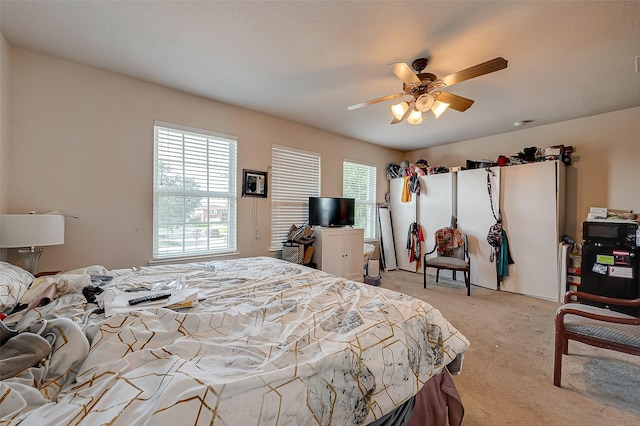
point(453, 255)
point(594, 326)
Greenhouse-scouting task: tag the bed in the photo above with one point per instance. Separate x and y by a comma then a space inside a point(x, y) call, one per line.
point(239, 342)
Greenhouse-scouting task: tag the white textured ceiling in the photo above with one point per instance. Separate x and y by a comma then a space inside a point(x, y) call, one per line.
point(306, 61)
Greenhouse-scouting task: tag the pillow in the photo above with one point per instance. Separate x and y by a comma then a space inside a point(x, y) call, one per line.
point(41, 283)
point(14, 282)
point(89, 270)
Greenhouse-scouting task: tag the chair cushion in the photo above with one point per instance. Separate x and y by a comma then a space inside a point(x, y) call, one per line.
point(446, 262)
point(625, 334)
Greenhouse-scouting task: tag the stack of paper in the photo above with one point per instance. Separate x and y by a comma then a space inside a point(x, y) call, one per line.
point(116, 301)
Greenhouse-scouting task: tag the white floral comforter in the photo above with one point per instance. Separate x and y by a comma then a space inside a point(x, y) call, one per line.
point(272, 343)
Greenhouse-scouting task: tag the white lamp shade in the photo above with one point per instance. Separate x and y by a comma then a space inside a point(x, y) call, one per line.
point(425, 102)
point(415, 117)
point(30, 230)
point(399, 110)
point(438, 108)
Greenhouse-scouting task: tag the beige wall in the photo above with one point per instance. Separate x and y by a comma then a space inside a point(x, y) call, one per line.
point(5, 98)
point(604, 172)
point(82, 143)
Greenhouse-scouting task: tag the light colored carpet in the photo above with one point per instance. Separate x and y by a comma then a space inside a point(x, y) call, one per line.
point(507, 374)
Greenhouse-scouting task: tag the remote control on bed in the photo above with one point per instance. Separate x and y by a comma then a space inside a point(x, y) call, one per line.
point(150, 298)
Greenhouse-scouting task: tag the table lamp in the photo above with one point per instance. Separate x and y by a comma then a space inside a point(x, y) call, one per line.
point(31, 230)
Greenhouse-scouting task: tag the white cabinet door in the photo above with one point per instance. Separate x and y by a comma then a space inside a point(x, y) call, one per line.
point(403, 214)
point(435, 208)
point(329, 247)
point(353, 250)
point(475, 218)
point(532, 204)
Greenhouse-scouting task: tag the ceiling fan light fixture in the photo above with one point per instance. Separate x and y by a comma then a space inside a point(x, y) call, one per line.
point(415, 117)
point(425, 102)
point(399, 110)
point(438, 108)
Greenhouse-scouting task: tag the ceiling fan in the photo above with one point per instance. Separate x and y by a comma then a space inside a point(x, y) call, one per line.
point(424, 87)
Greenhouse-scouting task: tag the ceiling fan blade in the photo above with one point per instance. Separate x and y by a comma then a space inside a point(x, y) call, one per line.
point(455, 102)
point(375, 101)
point(404, 73)
point(496, 64)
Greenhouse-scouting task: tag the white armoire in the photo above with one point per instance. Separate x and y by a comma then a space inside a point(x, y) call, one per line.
point(432, 209)
point(530, 198)
point(474, 219)
point(403, 214)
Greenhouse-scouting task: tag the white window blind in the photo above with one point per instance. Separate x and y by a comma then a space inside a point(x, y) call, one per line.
point(295, 178)
point(359, 182)
point(194, 192)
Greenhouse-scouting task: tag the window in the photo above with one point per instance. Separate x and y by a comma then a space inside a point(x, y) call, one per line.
point(194, 192)
point(359, 182)
point(295, 178)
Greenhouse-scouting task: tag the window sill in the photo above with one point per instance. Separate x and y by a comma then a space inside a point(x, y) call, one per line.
point(190, 259)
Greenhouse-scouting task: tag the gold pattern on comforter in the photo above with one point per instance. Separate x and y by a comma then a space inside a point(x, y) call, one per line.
point(273, 343)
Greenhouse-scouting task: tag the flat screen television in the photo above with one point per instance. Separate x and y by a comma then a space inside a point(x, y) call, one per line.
point(331, 211)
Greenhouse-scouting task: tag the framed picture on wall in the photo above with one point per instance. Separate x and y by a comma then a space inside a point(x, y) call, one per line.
point(254, 183)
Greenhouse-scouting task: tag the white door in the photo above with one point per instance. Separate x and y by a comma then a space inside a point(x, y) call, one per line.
point(403, 214)
point(332, 259)
point(353, 249)
point(530, 208)
point(435, 208)
point(475, 218)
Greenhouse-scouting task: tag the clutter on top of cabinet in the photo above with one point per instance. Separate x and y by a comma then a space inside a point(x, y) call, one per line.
point(596, 213)
point(480, 164)
point(527, 155)
point(419, 168)
point(622, 215)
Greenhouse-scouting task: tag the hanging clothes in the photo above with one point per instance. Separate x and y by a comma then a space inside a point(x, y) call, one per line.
point(503, 257)
point(414, 238)
point(406, 194)
point(414, 184)
point(411, 185)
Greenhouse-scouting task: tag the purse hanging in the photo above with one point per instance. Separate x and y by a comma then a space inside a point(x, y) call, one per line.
point(494, 236)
